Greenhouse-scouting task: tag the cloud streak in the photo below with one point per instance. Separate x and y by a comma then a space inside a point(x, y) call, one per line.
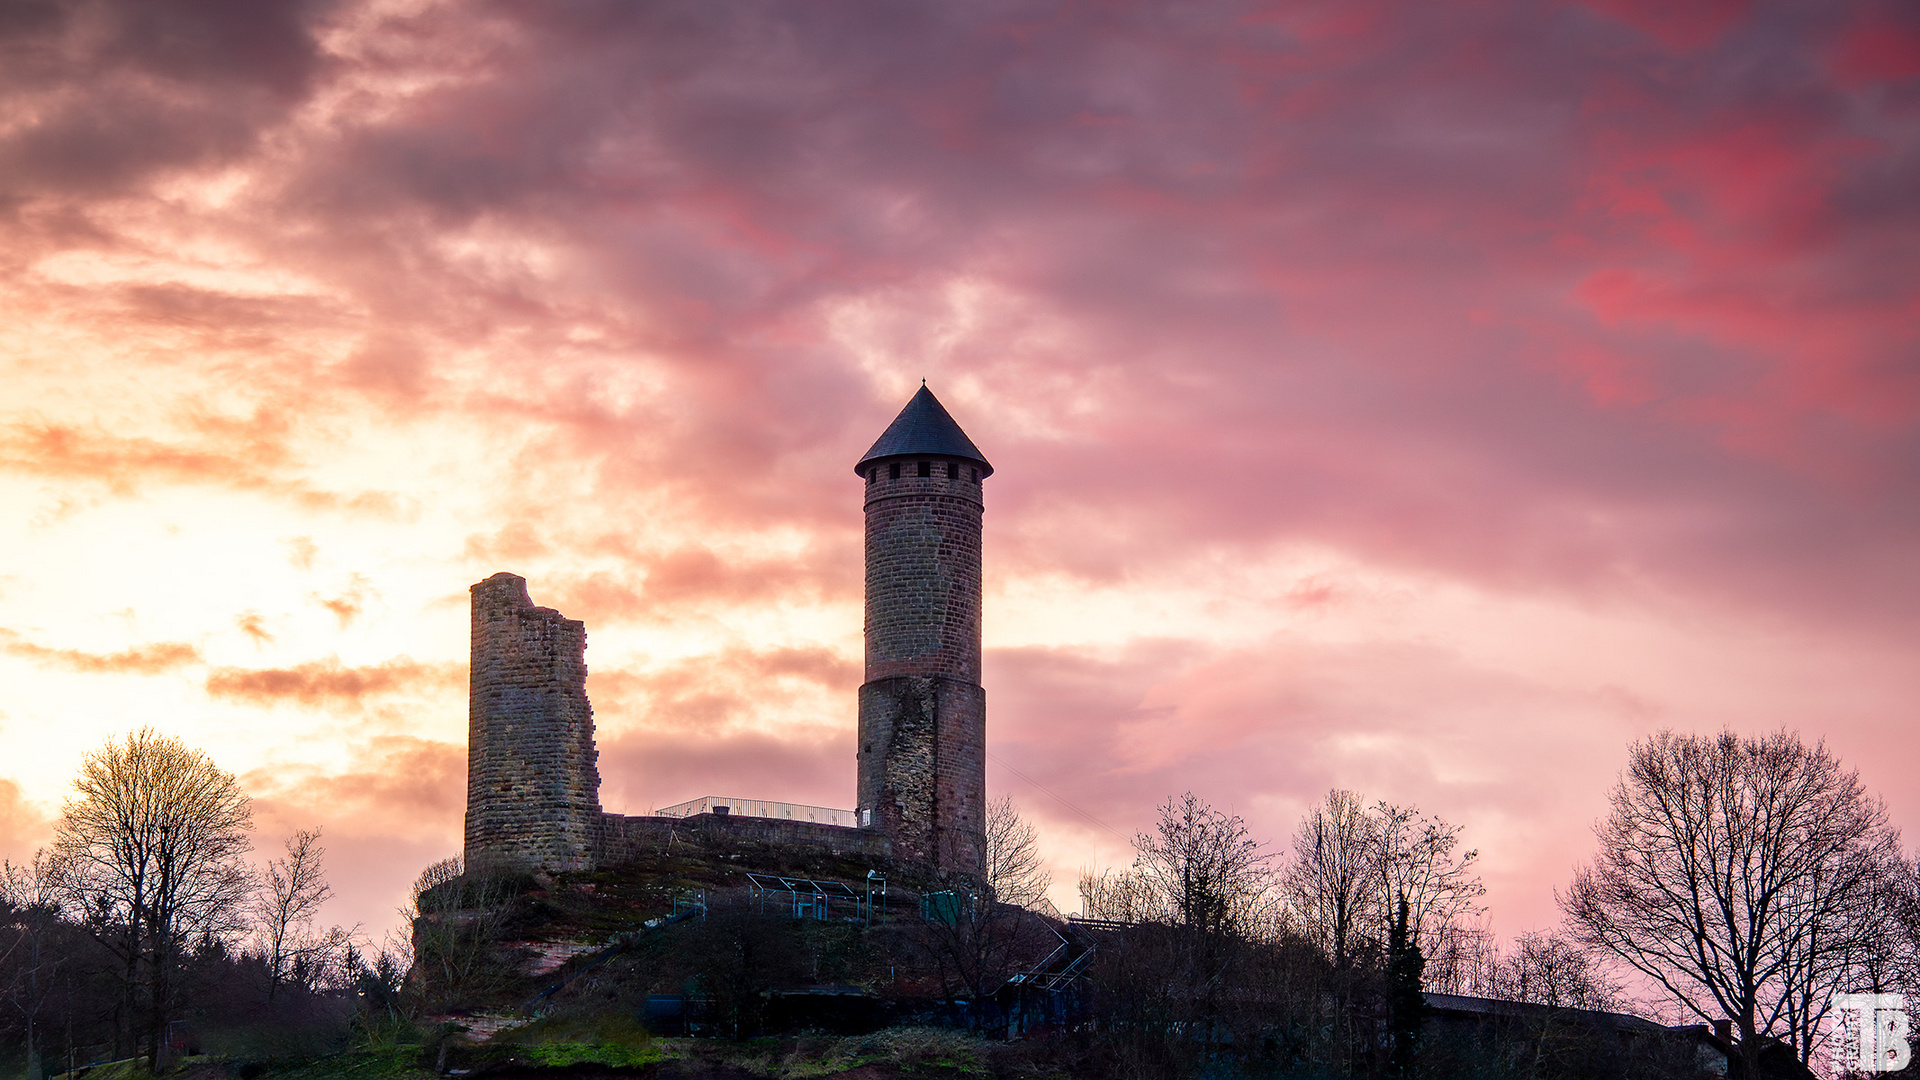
point(150, 659)
point(328, 683)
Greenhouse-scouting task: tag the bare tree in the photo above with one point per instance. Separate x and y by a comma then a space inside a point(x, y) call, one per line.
point(151, 850)
point(1327, 881)
point(1415, 862)
point(1467, 966)
point(1352, 865)
point(1015, 874)
point(458, 922)
point(1741, 875)
point(1117, 896)
point(987, 937)
point(1552, 969)
point(32, 902)
point(1893, 964)
point(291, 892)
point(1212, 882)
point(434, 876)
point(1203, 869)
point(977, 945)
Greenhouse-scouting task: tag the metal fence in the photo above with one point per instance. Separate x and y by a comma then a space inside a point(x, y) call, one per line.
point(805, 898)
point(758, 808)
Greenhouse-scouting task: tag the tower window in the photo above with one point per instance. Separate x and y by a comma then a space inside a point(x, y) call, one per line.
point(953, 470)
point(893, 471)
point(976, 475)
point(926, 468)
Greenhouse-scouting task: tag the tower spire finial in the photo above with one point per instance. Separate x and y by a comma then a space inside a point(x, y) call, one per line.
point(924, 428)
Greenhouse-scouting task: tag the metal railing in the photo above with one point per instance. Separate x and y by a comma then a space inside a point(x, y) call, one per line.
point(806, 898)
point(758, 808)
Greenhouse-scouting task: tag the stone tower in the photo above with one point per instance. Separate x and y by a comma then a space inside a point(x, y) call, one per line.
point(533, 785)
point(923, 715)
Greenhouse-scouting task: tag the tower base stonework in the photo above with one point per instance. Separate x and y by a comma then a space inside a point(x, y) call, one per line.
point(533, 782)
point(922, 768)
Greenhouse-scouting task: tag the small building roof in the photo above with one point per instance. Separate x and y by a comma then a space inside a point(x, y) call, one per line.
point(924, 427)
point(1479, 1006)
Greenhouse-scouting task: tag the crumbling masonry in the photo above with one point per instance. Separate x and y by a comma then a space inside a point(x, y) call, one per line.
point(533, 782)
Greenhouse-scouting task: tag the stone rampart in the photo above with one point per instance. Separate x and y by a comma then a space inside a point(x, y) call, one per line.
point(622, 838)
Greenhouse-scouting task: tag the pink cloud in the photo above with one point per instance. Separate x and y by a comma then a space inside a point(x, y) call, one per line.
point(1591, 306)
point(1880, 44)
point(328, 683)
point(420, 778)
point(721, 690)
point(1678, 26)
point(398, 808)
point(149, 659)
point(23, 826)
point(643, 771)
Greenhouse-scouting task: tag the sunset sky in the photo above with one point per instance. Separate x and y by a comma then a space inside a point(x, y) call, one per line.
point(1427, 399)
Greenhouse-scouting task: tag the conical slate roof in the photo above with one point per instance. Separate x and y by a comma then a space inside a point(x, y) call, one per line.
point(924, 427)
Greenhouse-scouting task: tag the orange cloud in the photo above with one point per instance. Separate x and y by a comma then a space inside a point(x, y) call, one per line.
point(139, 660)
point(393, 778)
point(688, 579)
point(250, 454)
point(301, 551)
point(254, 625)
point(324, 683)
point(349, 603)
point(22, 825)
point(235, 454)
point(661, 768)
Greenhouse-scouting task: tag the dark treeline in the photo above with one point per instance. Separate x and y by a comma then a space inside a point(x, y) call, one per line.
point(1739, 883)
point(1219, 956)
point(1221, 953)
point(68, 1005)
point(1743, 881)
point(144, 932)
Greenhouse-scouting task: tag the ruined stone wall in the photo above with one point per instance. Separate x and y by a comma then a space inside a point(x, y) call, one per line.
point(621, 838)
point(922, 738)
point(533, 783)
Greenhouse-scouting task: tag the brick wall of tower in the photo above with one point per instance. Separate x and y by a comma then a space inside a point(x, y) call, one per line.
point(533, 783)
point(922, 738)
point(923, 572)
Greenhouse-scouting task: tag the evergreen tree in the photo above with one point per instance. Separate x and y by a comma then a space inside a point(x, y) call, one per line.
point(1405, 1005)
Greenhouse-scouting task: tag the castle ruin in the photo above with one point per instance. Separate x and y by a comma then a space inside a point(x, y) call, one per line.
point(533, 780)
